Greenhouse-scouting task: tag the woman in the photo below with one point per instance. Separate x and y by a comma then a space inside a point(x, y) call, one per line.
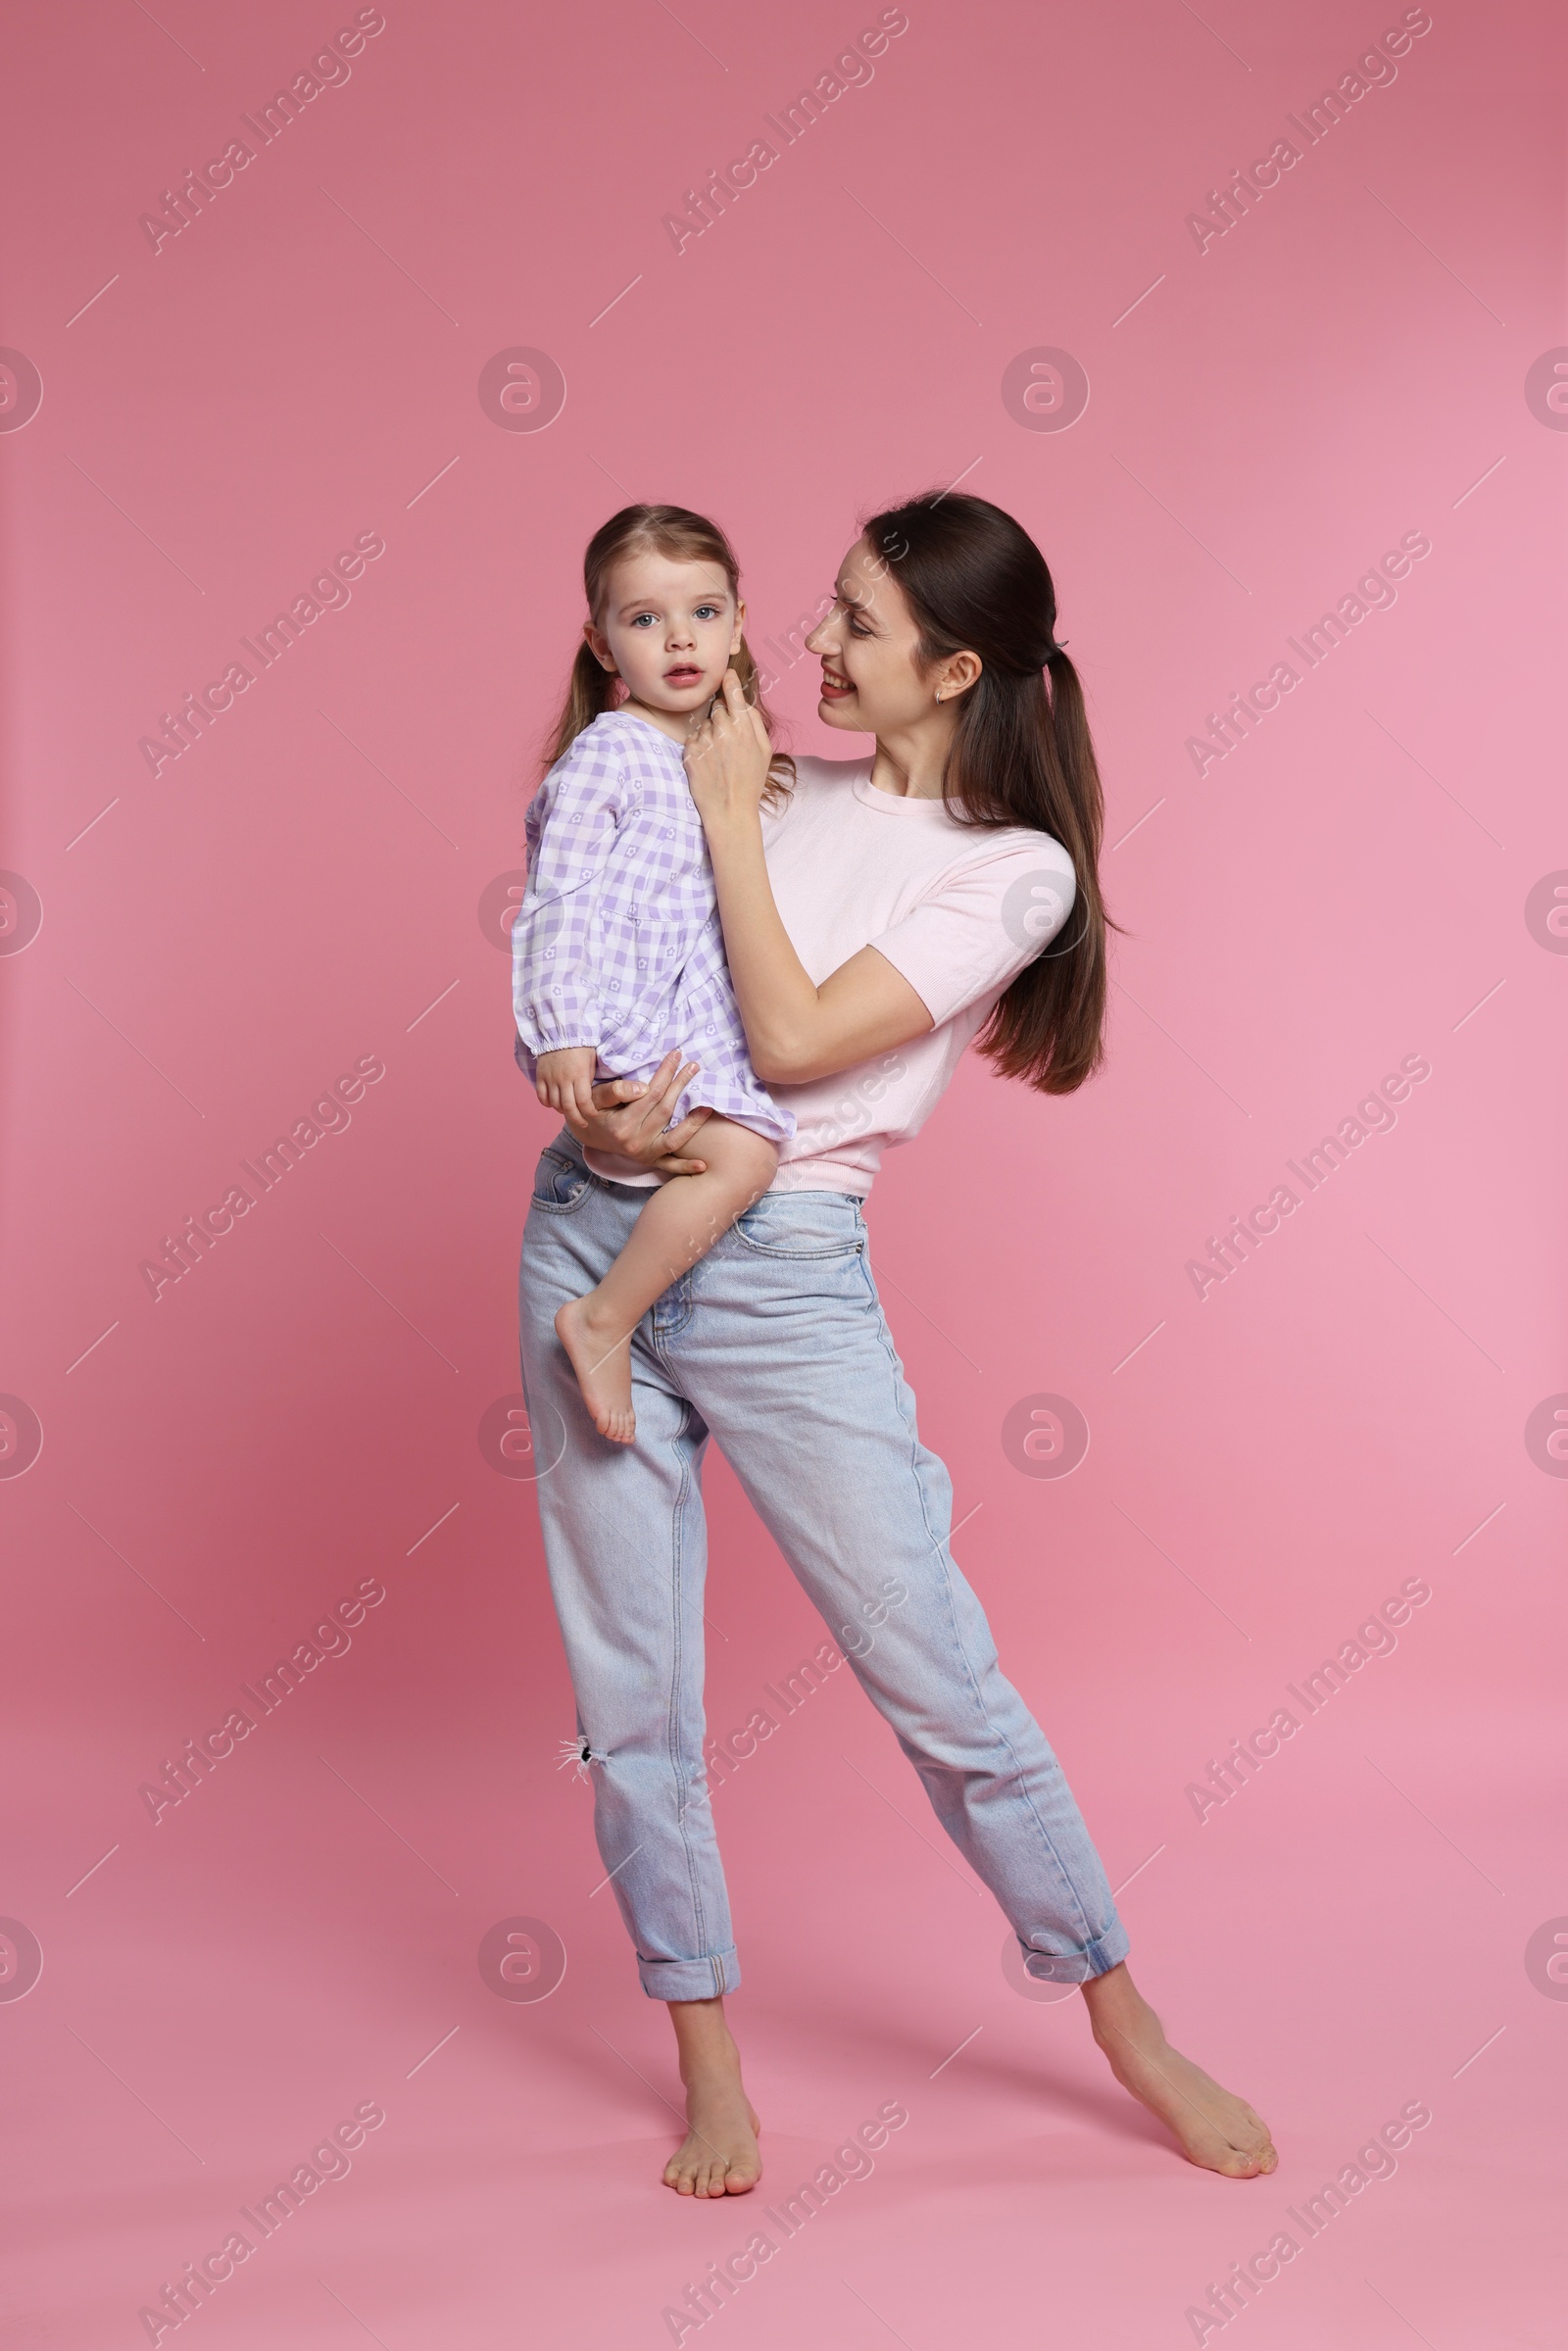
point(891, 911)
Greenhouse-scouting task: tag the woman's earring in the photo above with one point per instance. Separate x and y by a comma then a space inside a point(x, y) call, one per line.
point(939, 693)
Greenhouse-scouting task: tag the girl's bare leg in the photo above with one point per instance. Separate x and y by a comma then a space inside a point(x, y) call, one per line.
point(681, 1224)
point(719, 2156)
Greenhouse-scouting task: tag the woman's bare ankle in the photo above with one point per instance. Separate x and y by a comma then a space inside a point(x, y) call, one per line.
point(1117, 2009)
point(704, 2042)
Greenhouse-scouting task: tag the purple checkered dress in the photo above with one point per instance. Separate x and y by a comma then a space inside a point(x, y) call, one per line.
point(617, 943)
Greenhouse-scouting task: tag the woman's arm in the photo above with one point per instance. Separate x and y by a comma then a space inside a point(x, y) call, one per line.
point(796, 1031)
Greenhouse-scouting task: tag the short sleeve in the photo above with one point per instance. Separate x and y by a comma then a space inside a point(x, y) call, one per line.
point(976, 928)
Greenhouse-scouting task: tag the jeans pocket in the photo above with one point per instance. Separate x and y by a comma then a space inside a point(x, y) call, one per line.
point(802, 1224)
point(561, 1182)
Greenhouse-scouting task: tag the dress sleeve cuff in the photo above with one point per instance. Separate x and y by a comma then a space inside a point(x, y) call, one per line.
point(538, 1041)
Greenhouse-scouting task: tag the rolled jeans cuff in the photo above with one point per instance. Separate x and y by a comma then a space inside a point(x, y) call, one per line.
point(690, 1979)
point(1097, 1958)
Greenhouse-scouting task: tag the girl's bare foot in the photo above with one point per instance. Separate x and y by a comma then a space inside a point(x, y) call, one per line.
point(720, 2155)
point(1212, 2127)
point(601, 1361)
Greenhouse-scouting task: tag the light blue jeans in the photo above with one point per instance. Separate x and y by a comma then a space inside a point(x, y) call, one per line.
point(775, 1344)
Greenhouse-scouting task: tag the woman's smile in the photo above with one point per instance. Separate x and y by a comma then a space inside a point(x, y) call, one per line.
point(835, 686)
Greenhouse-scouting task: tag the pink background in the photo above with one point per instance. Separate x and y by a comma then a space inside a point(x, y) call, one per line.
point(300, 888)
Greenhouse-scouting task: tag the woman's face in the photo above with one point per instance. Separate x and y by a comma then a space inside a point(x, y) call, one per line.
point(867, 647)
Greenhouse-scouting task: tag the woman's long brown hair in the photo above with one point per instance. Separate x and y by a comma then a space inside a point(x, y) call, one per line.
point(685, 538)
point(975, 581)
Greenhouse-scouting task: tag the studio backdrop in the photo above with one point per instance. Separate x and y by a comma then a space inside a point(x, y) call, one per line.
point(328, 340)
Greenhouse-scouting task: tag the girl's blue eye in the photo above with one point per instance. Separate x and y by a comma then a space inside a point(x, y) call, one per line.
point(706, 612)
point(642, 617)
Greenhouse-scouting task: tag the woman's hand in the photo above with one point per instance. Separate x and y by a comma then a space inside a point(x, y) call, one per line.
point(631, 1121)
point(796, 1030)
point(728, 758)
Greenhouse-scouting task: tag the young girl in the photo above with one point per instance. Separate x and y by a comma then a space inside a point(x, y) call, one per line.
point(619, 956)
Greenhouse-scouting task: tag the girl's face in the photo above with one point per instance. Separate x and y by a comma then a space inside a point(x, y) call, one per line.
point(670, 630)
point(867, 647)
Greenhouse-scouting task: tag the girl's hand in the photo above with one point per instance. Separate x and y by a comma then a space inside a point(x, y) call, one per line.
point(564, 1078)
point(628, 1120)
point(728, 758)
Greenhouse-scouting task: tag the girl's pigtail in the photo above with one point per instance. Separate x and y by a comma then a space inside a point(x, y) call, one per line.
point(781, 775)
point(590, 692)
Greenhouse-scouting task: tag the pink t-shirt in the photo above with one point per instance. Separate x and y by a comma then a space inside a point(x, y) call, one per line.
point(957, 909)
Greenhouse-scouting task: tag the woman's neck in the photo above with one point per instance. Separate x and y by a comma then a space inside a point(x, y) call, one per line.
point(911, 763)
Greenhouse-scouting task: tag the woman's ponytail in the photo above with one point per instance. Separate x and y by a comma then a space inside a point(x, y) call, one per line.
point(1050, 1026)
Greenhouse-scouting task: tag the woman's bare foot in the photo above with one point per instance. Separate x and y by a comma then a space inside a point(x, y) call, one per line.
point(1212, 2126)
point(601, 1361)
point(720, 2155)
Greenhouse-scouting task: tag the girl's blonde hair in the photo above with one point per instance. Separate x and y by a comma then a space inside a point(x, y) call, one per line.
point(685, 538)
